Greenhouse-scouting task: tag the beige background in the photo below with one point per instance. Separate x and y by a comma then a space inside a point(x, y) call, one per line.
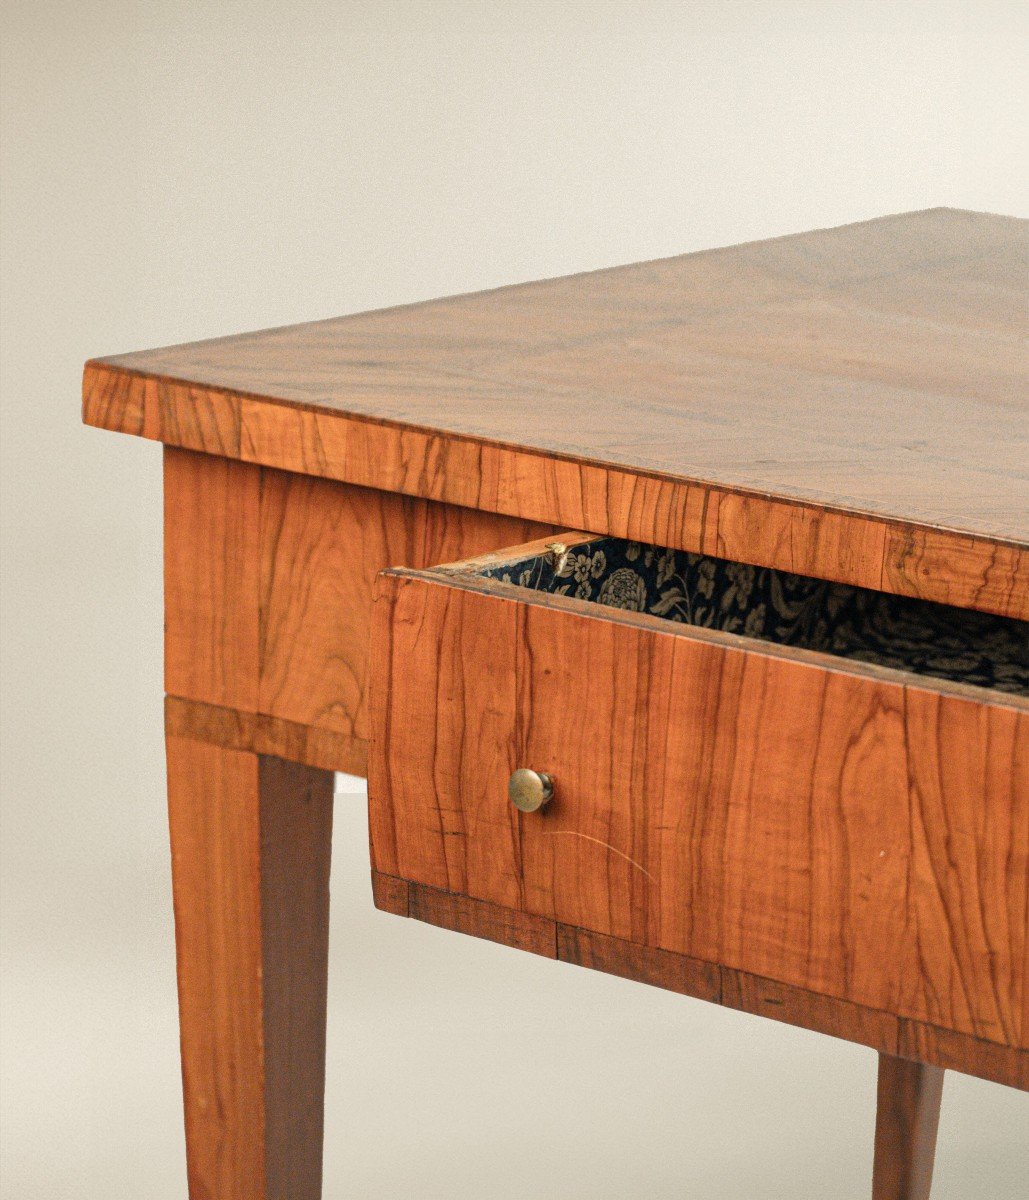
point(175, 171)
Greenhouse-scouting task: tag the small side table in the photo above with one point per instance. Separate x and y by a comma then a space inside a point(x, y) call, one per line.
point(835, 838)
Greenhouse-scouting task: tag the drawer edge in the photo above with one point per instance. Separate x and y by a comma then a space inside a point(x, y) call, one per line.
point(462, 576)
point(700, 980)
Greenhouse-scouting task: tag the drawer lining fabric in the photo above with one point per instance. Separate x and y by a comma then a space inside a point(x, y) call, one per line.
point(920, 636)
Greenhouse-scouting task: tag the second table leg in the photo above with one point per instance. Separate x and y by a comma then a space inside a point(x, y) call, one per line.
point(906, 1120)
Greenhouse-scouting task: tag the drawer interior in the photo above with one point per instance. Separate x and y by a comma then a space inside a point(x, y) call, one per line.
point(913, 635)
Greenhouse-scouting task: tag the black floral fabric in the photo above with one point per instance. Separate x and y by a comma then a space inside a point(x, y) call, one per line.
point(792, 610)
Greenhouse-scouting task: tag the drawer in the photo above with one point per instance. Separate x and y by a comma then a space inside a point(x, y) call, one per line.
point(820, 785)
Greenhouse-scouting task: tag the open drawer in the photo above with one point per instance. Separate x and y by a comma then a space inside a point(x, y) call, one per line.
point(818, 785)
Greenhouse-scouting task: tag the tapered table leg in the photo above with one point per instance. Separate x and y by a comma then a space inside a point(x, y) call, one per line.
point(250, 842)
point(906, 1120)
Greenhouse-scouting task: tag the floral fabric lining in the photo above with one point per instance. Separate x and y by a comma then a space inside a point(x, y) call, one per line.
point(793, 610)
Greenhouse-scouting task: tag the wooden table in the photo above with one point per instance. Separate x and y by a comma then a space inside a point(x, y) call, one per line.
point(827, 841)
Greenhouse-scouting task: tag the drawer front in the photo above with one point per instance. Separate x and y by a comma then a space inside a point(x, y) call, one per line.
point(835, 827)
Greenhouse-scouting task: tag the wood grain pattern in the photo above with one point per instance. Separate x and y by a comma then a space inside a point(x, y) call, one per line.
point(873, 1027)
point(852, 831)
point(910, 559)
point(296, 844)
point(644, 964)
point(261, 734)
point(841, 848)
point(882, 1031)
point(322, 545)
point(906, 1122)
point(489, 921)
point(847, 403)
point(268, 592)
point(956, 1052)
point(211, 579)
point(250, 858)
point(215, 832)
point(390, 894)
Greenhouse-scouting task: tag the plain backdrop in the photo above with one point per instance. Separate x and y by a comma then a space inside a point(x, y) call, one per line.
point(175, 171)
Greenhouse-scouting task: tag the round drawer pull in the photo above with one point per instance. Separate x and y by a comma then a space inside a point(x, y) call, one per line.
point(530, 790)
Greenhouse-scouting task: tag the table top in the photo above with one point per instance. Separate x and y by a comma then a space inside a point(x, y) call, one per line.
point(872, 371)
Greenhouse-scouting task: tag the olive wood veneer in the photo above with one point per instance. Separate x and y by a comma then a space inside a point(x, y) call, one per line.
point(847, 404)
point(268, 580)
point(268, 588)
point(892, 1036)
point(855, 830)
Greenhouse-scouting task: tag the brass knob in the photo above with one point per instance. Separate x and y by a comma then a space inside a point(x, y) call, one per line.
point(530, 790)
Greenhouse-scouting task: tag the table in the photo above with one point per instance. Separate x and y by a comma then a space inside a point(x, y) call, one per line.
point(844, 406)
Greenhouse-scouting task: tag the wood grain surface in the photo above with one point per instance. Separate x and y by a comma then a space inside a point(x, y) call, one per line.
point(843, 848)
point(907, 1119)
point(250, 842)
point(847, 403)
point(211, 579)
point(261, 734)
point(322, 544)
point(846, 829)
point(714, 982)
point(296, 843)
point(268, 593)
